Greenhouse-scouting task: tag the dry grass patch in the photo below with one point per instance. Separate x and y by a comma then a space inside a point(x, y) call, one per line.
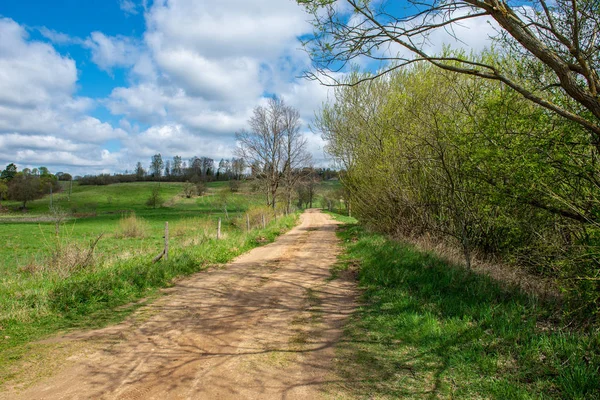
point(131, 226)
point(197, 230)
point(504, 273)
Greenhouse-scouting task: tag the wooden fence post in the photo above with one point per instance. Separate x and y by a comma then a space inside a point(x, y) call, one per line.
point(263, 221)
point(165, 252)
point(166, 241)
point(247, 222)
point(219, 229)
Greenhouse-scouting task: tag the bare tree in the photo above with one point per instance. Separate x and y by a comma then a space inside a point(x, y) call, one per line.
point(263, 145)
point(237, 167)
point(556, 42)
point(296, 157)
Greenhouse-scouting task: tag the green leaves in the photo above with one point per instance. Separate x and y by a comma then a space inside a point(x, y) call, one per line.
point(471, 163)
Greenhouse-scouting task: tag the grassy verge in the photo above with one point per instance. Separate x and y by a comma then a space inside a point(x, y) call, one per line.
point(92, 298)
point(431, 330)
point(343, 218)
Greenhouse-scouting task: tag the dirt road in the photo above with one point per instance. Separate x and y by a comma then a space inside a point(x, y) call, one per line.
point(261, 328)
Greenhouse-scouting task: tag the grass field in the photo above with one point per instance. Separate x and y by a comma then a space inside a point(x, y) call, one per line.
point(39, 296)
point(427, 329)
point(98, 209)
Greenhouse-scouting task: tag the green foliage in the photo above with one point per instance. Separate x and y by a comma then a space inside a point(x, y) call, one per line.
point(155, 199)
point(9, 172)
point(235, 185)
point(25, 188)
point(156, 166)
point(3, 190)
point(466, 161)
point(189, 190)
point(427, 327)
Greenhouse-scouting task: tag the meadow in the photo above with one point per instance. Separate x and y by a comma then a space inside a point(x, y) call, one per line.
point(54, 276)
point(93, 210)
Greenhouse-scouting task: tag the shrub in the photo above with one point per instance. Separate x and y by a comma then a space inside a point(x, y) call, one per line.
point(200, 188)
point(132, 227)
point(255, 213)
point(235, 185)
point(189, 190)
point(193, 226)
point(155, 200)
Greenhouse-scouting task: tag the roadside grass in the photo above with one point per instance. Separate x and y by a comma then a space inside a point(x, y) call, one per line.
point(427, 329)
point(343, 218)
point(93, 298)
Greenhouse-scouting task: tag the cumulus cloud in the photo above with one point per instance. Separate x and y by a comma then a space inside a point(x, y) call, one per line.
point(59, 37)
point(259, 29)
point(207, 65)
point(175, 139)
point(42, 121)
point(31, 71)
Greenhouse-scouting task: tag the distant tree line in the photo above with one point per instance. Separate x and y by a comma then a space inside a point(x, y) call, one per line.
point(196, 169)
point(28, 184)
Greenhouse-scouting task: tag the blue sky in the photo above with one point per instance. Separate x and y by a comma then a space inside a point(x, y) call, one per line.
point(98, 85)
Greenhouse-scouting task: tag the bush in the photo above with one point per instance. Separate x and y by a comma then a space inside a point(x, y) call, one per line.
point(235, 186)
point(189, 190)
point(64, 257)
point(155, 200)
point(200, 188)
point(198, 227)
point(132, 227)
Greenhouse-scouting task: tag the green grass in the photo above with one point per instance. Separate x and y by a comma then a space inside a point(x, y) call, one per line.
point(98, 209)
point(39, 303)
point(341, 217)
point(427, 329)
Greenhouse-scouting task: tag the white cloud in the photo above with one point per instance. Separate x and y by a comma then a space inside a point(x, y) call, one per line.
point(220, 79)
point(175, 139)
point(128, 6)
point(42, 122)
point(59, 37)
point(258, 29)
point(146, 102)
point(207, 65)
point(16, 141)
point(31, 71)
point(112, 51)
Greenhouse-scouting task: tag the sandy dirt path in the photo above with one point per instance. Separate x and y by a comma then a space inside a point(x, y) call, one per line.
point(263, 327)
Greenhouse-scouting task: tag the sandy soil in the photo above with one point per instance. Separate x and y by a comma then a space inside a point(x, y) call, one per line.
point(263, 327)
